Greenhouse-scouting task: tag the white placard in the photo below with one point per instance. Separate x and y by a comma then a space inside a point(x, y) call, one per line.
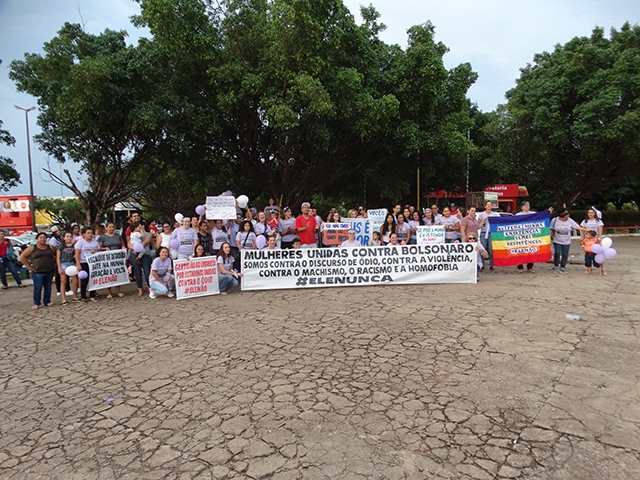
point(196, 277)
point(221, 208)
point(348, 267)
point(427, 234)
point(107, 269)
point(377, 218)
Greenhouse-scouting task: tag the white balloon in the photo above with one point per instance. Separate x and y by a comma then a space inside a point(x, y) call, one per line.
point(242, 200)
point(71, 270)
point(174, 253)
point(178, 217)
point(606, 242)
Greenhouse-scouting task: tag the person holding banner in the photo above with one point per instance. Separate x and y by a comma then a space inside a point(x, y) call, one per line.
point(414, 223)
point(287, 229)
point(561, 228)
point(110, 241)
point(161, 275)
point(403, 230)
point(482, 253)
point(140, 256)
point(65, 258)
point(451, 225)
point(87, 244)
point(485, 230)
point(227, 277)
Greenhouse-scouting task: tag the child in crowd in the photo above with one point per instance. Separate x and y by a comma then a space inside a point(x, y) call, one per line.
point(375, 241)
point(295, 244)
point(590, 239)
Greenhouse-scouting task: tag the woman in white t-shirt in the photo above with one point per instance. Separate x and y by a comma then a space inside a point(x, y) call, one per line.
point(227, 276)
point(164, 238)
point(403, 229)
point(161, 275)
point(592, 222)
point(246, 239)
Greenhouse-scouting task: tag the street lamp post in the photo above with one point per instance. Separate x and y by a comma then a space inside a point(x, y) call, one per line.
point(31, 206)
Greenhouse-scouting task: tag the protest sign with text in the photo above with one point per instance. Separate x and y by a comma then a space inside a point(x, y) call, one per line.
point(520, 239)
point(429, 234)
point(334, 233)
point(377, 217)
point(107, 269)
point(196, 277)
point(329, 267)
point(363, 229)
point(221, 208)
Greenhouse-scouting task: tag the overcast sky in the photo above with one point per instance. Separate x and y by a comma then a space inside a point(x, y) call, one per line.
point(497, 37)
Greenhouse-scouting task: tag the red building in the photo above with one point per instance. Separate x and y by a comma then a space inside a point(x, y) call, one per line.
point(15, 214)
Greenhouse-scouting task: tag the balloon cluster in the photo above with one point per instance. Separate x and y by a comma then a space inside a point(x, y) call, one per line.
point(604, 251)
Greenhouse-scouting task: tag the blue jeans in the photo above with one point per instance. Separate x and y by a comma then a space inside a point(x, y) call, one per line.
point(160, 289)
point(10, 264)
point(560, 254)
point(486, 243)
point(42, 280)
point(139, 268)
point(226, 282)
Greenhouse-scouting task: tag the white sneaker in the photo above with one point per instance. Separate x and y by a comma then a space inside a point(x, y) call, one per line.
point(152, 294)
point(58, 294)
point(69, 292)
point(170, 295)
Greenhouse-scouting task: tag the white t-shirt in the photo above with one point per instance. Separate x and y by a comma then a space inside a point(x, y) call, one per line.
point(485, 229)
point(349, 244)
point(228, 264)
point(161, 267)
point(562, 230)
point(594, 225)
point(451, 220)
point(402, 231)
point(219, 237)
point(250, 240)
point(187, 238)
point(86, 247)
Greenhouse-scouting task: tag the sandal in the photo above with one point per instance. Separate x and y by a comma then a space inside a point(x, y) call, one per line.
point(4, 287)
point(109, 296)
point(121, 295)
point(65, 303)
point(93, 299)
point(21, 286)
point(35, 307)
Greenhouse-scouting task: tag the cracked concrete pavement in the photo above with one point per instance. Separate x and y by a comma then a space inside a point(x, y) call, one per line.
point(387, 382)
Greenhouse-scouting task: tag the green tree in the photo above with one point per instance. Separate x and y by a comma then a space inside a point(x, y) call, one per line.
point(62, 211)
point(9, 176)
point(108, 107)
point(572, 120)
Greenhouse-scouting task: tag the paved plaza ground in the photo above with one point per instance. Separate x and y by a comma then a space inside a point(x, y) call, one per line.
point(387, 382)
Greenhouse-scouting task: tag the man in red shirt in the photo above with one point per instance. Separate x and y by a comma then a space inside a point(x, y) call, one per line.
point(306, 227)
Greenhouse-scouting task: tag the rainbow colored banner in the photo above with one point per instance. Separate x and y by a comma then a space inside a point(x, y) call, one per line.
point(521, 239)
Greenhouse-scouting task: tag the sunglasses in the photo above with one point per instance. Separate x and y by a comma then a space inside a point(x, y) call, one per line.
point(471, 238)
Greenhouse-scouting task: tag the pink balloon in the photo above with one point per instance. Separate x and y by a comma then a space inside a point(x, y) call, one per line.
point(600, 258)
point(597, 248)
point(174, 244)
point(138, 247)
point(82, 274)
point(609, 253)
point(200, 210)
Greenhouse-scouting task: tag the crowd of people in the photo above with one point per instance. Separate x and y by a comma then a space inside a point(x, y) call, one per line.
point(58, 258)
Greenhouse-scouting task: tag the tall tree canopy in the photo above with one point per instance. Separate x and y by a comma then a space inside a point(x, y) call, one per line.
point(9, 176)
point(106, 106)
point(574, 116)
point(301, 96)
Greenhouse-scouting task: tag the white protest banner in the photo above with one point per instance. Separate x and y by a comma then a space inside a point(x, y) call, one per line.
point(334, 233)
point(363, 229)
point(389, 265)
point(107, 269)
point(426, 234)
point(196, 277)
point(377, 218)
point(221, 208)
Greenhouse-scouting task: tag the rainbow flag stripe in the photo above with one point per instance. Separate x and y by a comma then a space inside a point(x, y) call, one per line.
point(521, 239)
